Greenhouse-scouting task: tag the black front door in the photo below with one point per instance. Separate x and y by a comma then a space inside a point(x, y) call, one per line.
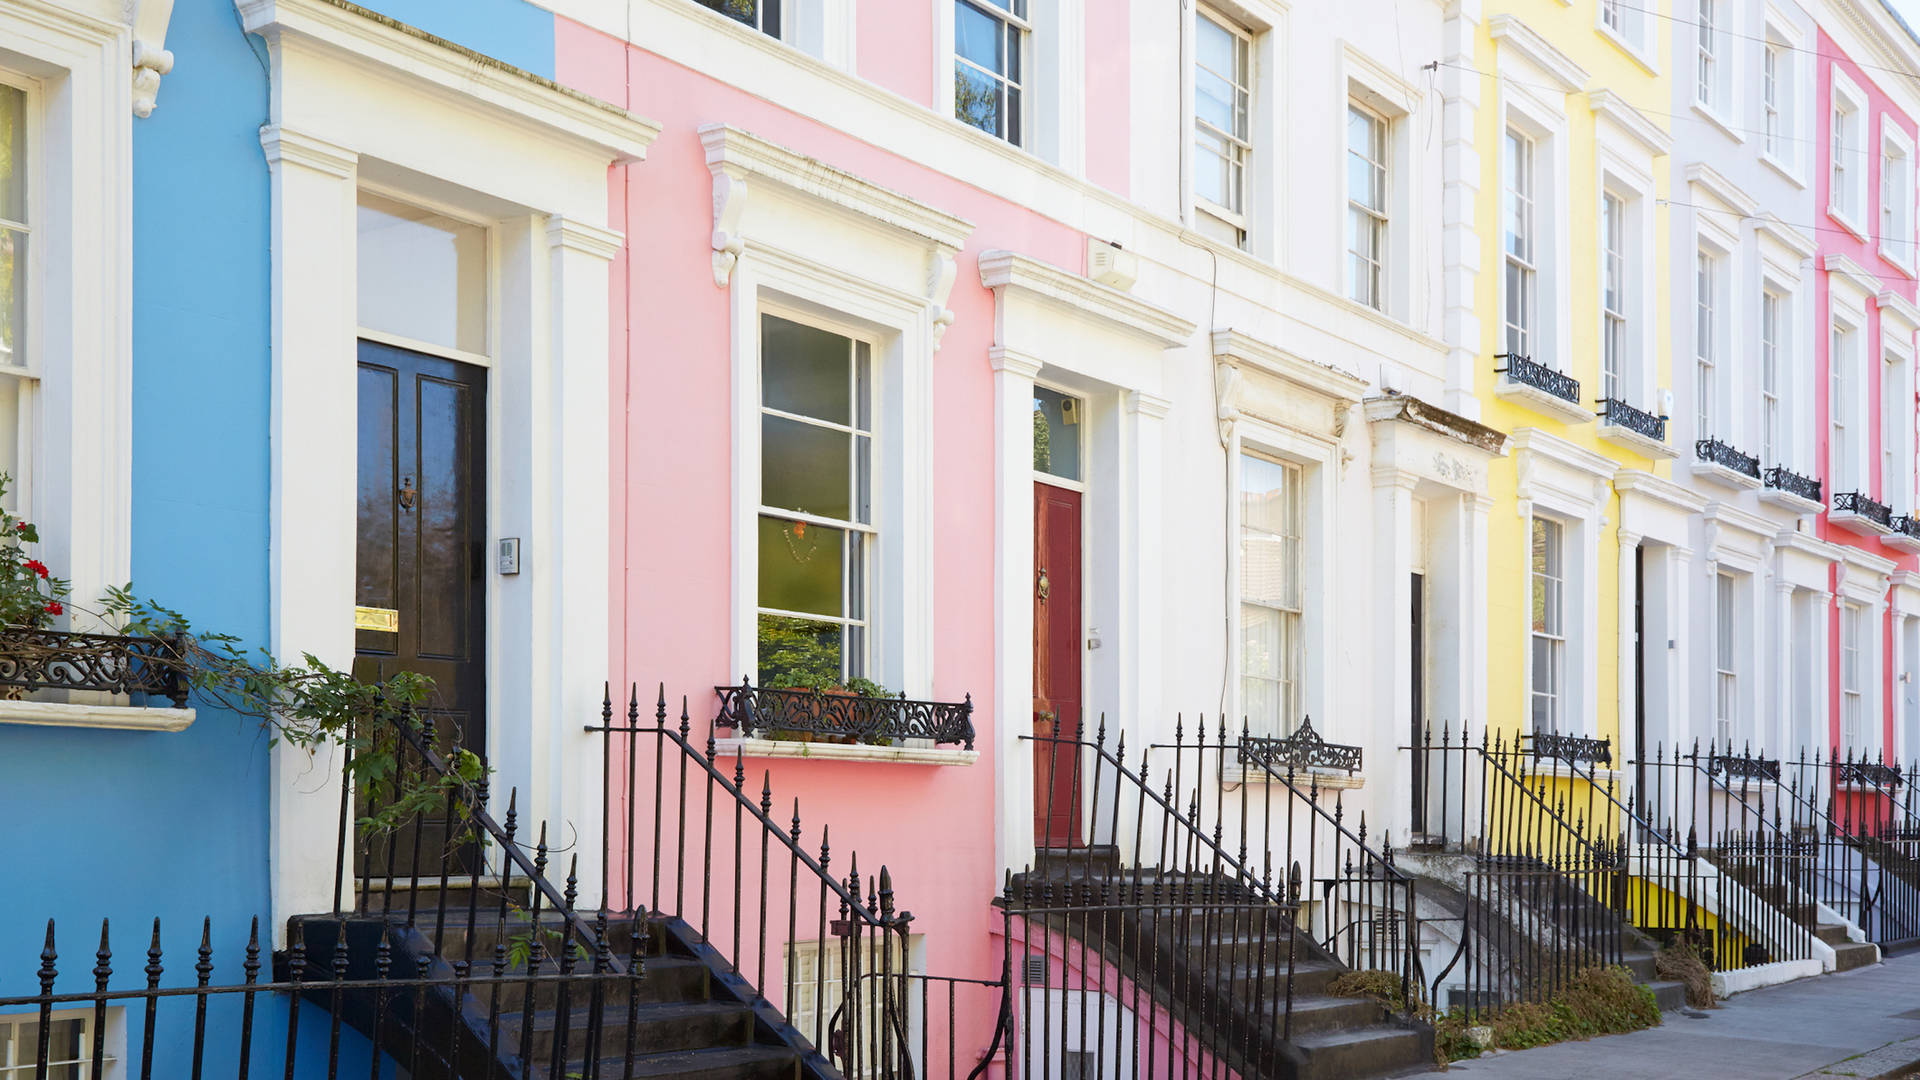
point(1418, 674)
point(422, 529)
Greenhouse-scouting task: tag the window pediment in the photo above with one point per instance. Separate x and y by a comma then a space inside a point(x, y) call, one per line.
point(1255, 378)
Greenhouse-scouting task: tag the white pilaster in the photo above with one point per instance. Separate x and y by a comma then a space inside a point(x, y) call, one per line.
point(1013, 375)
point(1628, 746)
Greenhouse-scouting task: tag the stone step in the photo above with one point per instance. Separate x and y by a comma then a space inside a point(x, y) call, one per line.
point(656, 1028)
point(716, 1063)
point(1831, 933)
point(1377, 1050)
point(1854, 954)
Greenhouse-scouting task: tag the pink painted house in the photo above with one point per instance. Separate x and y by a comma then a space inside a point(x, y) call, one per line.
point(1865, 404)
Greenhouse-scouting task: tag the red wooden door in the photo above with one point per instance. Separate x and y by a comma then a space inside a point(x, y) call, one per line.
point(1056, 664)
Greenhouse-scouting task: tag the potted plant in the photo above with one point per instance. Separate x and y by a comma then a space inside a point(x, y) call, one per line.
point(30, 596)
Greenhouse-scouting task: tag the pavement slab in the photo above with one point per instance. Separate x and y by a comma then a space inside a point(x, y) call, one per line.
point(1811, 1028)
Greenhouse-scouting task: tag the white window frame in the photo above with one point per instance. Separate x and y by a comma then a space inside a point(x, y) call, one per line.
point(1244, 144)
point(1017, 27)
point(872, 546)
point(1711, 291)
point(1519, 217)
point(1556, 635)
point(23, 368)
point(811, 977)
point(1847, 185)
point(1374, 88)
point(1776, 361)
point(1624, 22)
point(1853, 675)
point(1546, 126)
point(1895, 218)
point(1380, 128)
point(1617, 350)
point(1896, 422)
point(1053, 81)
point(77, 482)
point(1289, 686)
point(1781, 122)
point(1846, 338)
point(24, 1054)
point(1713, 55)
point(1726, 656)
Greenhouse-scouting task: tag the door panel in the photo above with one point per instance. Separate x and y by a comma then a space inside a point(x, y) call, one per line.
point(1056, 663)
point(422, 524)
point(1418, 674)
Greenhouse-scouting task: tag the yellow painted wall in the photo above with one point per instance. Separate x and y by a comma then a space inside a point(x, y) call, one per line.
point(1571, 30)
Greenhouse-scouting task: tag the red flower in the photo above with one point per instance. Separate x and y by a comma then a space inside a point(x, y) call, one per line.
point(37, 567)
point(54, 608)
point(20, 526)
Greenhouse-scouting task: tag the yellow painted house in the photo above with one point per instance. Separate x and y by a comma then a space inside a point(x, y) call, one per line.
point(1572, 140)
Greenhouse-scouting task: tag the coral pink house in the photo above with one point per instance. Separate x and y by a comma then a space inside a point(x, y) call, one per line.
point(1865, 400)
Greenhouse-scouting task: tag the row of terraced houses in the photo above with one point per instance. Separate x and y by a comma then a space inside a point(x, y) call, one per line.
point(958, 538)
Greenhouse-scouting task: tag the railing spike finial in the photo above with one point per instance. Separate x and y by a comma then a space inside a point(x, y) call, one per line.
point(796, 821)
point(766, 794)
point(606, 703)
point(826, 848)
point(686, 721)
point(205, 966)
point(252, 964)
point(155, 969)
point(633, 704)
point(886, 894)
point(1100, 732)
point(103, 957)
point(572, 893)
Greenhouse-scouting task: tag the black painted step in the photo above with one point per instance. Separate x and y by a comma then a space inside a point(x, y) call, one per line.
point(716, 1063)
point(1376, 1050)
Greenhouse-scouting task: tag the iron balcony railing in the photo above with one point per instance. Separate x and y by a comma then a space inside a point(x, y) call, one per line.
point(1716, 452)
point(1781, 478)
point(34, 659)
point(842, 717)
point(1858, 502)
point(1301, 751)
point(1640, 422)
point(1572, 749)
point(1907, 525)
point(1525, 371)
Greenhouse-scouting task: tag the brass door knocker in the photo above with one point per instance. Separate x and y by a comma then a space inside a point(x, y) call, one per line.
point(408, 494)
point(1043, 587)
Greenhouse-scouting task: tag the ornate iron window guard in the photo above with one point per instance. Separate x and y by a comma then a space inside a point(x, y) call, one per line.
point(1719, 453)
point(1868, 772)
point(1744, 766)
point(757, 711)
point(1528, 372)
point(1781, 478)
point(1907, 525)
point(1640, 422)
point(1857, 502)
point(1572, 749)
point(36, 659)
point(1304, 749)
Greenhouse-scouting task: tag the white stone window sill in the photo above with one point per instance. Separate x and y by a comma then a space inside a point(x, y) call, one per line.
point(1625, 436)
point(1542, 402)
point(1720, 474)
point(1787, 172)
point(1632, 48)
point(1713, 118)
point(1845, 222)
point(1560, 770)
point(1857, 523)
point(1902, 541)
point(1328, 779)
point(823, 751)
point(1789, 500)
point(111, 717)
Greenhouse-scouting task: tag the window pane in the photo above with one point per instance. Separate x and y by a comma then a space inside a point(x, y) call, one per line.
point(805, 467)
point(976, 99)
point(803, 370)
point(1214, 100)
point(13, 154)
point(1056, 433)
point(798, 652)
point(13, 298)
point(10, 395)
point(1213, 169)
point(421, 275)
point(977, 37)
point(801, 566)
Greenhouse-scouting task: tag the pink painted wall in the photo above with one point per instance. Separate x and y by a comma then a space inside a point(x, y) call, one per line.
point(894, 48)
point(1834, 238)
point(1109, 86)
point(933, 826)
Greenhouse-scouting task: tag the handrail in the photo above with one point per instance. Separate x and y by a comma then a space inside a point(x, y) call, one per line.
point(1312, 801)
point(1647, 828)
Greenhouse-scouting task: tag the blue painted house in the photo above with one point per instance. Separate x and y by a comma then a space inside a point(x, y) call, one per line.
point(224, 220)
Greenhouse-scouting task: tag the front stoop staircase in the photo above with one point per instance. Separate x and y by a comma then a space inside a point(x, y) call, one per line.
point(1848, 954)
point(1224, 980)
point(684, 1016)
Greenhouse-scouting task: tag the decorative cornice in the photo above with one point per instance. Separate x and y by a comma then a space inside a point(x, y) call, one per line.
point(1511, 32)
point(286, 146)
point(1006, 270)
point(1899, 307)
point(1241, 351)
point(579, 236)
point(1852, 274)
point(1720, 515)
point(742, 154)
point(1606, 103)
point(1658, 489)
point(1151, 406)
point(1013, 362)
point(508, 93)
point(1406, 409)
point(1721, 188)
point(1596, 467)
point(151, 59)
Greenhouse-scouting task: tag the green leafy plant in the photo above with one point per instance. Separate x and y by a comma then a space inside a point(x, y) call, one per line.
point(1594, 1001)
point(867, 688)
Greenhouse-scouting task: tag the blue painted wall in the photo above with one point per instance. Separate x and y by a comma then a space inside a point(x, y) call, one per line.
point(129, 826)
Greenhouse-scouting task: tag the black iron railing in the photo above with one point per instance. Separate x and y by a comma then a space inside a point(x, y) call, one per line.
point(35, 659)
point(1301, 751)
point(1640, 422)
point(1859, 502)
point(843, 717)
point(1867, 773)
point(1715, 452)
point(1781, 478)
point(1907, 525)
point(1743, 766)
point(1524, 371)
point(1572, 749)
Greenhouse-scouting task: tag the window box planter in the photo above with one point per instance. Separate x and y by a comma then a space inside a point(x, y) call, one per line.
point(1540, 388)
point(1855, 512)
point(840, 717)
point(1717, 461)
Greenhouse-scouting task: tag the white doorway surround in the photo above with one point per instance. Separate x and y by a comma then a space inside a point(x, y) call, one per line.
point(359, 101)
